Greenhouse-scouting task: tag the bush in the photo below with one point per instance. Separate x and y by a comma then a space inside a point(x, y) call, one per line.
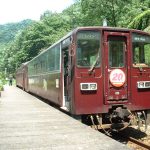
point(1, 88)
point(2, 81)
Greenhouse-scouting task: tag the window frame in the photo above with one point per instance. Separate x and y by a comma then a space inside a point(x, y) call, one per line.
point(135, 39)
point(100, 48)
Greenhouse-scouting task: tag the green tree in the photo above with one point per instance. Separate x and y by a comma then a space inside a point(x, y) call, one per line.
point(74, 16)
point(118, 13)
point(97, 10)
point(141, 21)
point(147, 29)
point(135, 8)
point(38, 36)
point(52, 26)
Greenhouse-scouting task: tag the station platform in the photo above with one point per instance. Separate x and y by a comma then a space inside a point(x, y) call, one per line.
point(28, 123)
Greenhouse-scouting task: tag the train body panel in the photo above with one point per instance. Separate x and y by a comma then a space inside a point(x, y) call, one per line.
point(89, 101)
point(45, 86)
point(95, 70)
point(140, 71)
point(141, 96)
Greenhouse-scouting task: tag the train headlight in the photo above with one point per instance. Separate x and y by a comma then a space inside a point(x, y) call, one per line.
point(88, 86)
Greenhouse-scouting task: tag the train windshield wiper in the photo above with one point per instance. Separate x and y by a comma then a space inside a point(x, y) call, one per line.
point(94, 65)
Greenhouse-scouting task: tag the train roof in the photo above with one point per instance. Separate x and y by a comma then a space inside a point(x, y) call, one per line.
point(107, 28)
point(102, 28)
point(23, 64)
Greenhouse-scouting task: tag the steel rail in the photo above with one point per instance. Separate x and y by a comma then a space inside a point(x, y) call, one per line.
point(133, 140)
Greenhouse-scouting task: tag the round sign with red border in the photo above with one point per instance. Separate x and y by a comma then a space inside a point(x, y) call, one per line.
point(117, 77)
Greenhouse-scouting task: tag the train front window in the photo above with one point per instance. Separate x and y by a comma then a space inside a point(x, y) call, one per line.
point(141, 50)
point(88, 49)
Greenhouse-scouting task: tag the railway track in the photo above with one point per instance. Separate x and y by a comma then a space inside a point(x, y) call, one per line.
point(138, 145)
point(133, 139)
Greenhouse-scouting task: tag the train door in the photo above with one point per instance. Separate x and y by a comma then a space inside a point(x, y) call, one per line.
point(116, 67)
point(65, 59)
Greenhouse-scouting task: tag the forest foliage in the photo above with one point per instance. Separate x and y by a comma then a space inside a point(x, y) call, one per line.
point(9, 31)
point(39, 35)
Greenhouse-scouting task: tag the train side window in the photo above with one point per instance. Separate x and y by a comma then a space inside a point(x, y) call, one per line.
point(54, 58)
point(57, 57)
point(141, 50)
point(38, 67)
point(35, 68)
point(31, 69)
point(51, 59)
point(42, 65)
point(46, 63)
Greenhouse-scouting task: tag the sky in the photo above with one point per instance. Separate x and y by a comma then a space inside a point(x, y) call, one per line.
point(18, 10)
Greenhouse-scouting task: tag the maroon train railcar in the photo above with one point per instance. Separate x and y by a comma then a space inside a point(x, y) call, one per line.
point(103, 74)
point(22, 77)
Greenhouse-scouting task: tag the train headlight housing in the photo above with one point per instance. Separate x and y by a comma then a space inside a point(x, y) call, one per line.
point(143, 84)
point(88, 86)
point(93, 86)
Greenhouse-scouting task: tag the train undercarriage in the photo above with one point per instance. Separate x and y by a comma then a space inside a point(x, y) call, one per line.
point(117, 119)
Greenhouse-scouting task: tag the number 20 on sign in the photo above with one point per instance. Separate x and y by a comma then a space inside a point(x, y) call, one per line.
point(117, 77)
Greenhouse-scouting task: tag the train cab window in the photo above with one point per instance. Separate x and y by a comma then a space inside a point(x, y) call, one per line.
point(141, 50)
point(88, 48)
point(116, 51)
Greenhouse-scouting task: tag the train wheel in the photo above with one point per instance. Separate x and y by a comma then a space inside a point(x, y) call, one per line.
point(141, 121)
